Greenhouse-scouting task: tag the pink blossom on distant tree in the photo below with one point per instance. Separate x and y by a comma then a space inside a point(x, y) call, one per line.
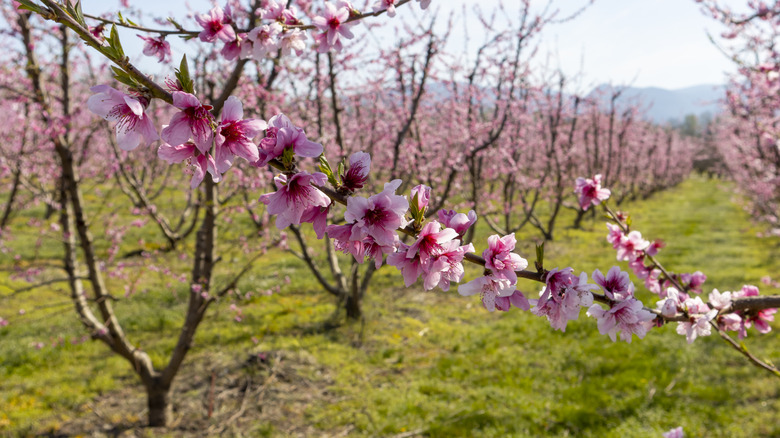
point(132, 124)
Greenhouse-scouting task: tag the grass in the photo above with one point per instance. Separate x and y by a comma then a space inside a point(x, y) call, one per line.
point(427, 363)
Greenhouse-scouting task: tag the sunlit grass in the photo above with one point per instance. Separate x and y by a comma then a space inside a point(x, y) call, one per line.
point(436, 363)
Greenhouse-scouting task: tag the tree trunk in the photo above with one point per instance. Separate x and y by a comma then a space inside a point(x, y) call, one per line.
point(578, 220)
point(353, 307)
point(160, 408)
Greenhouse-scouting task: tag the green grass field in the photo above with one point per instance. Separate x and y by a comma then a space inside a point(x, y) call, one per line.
point(421, 363)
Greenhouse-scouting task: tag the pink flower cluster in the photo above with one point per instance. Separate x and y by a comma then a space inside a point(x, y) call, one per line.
point(590, 191)
point(371, 224)
point(562, 297)
point(633, 248)
point(625, 314)
point(279, 33)
point(497, 289)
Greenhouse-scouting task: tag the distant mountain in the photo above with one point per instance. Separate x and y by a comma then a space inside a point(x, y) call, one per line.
point(672, 105)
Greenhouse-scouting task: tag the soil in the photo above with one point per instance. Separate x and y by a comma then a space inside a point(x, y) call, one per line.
point(266, 393)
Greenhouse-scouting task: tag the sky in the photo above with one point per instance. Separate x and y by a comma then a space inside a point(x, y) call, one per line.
point(642, 43)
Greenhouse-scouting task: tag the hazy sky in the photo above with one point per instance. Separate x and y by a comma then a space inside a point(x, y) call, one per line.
point(661, 43)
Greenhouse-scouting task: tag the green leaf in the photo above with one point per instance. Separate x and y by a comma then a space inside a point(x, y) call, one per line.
point(326, 169)
point(341, 168)
point(183, 76)
point(30, 6)
point(113, 42)
point(122, 76)
point(540, 252)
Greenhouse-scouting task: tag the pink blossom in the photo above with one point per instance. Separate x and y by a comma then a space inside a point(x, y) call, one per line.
point(3, 322)
point(357, 174)
point(277, 12)
point(517, 299)
point(562, 297)
point(423, 194)
point(235, 134)
point(651, 282)
point(614, 236)
point(388, 5)
point(746, 291)
point(719, 300)
point(265, 40)
point(193, 121)
point(334, 27)
point(490, 288)
point(732, 322)
point(239, 47)
point(639, 268)
point(364, 248)
point(430, 242)
point(699, 315)
point(294, 197)
point(694, 281)
point(282, 134)
point(133, 125)
point(500, 259)
point(631, 246)
point(201, 162)
point(410, 267)
point(447, 266)
point(761, 319)
point(379, 216)
point(215, 24)
point(375, 251)
point(590, 191)
point(272, 11)
point(627, 317)
point(674, 433)
point(424, 3)
point(293, 40)
point(457, 221)
point(669, 305)
point(654, 247)
point(318, 217)
point(616, 285)
point(157, 47)
point(340, 234)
